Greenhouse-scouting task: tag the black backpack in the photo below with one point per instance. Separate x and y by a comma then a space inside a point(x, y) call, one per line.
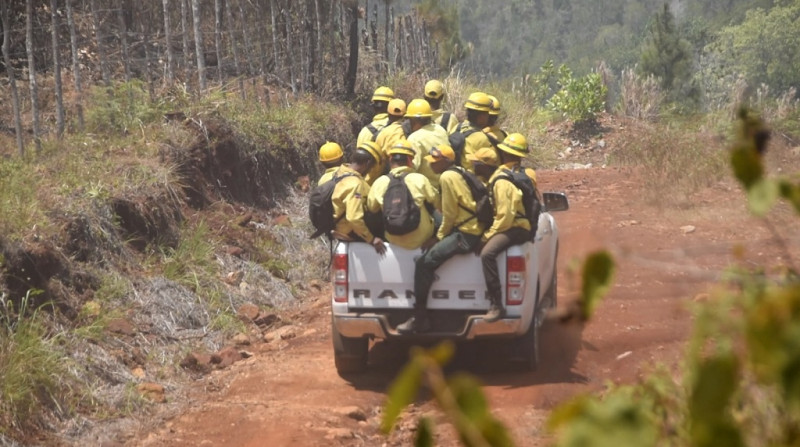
point(530, 198)
point(484, 211)
point(401, 215)
point(494, 140)
point(320, 207)
point(375, 131)
point(445, 119)
point(458, 140)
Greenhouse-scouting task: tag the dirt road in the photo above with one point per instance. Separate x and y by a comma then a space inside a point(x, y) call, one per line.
point(289, 393)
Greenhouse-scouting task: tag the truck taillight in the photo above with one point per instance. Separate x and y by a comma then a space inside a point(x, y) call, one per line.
point(339, 278)
point(515, 280)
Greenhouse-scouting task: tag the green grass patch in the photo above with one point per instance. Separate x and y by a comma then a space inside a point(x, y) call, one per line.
point(32, 368)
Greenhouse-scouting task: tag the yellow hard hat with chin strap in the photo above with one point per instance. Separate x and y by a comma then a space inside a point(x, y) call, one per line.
point(479, 101)
point(419, 108)
point(330, 151)
point(495, 109)
point(383, 93)
point(372, 148)
point(515, 144)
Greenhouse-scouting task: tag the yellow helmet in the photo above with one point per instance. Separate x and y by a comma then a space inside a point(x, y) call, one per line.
point(372, 148)
point(434, 89)
point(495, 109)
point(419, 108)
point(383, 94)
point(402, 147)
point(397, 107)
point(330, 151)
point(479, 101)
point(515, 144)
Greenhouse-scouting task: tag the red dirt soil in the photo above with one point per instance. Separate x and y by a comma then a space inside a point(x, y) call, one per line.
point(289, 392)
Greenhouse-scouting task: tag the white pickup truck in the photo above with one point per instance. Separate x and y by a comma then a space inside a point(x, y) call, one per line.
point(372, 294)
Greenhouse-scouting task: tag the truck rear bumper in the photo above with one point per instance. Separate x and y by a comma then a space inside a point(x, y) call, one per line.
point(356, 325)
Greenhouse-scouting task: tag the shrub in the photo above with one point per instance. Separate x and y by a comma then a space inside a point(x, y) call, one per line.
point(121, 108)
point(580, 99)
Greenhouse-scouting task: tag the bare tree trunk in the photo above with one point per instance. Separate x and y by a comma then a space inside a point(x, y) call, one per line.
point(198, 43)
point(386, 5)
point(12, 80)
point(248, 46)
point(123, 38)
point(57, 71)
point(276, 61)
point(32, 74)
point(352, 65)
point(76, 67)
point(318, 76)
point(290, 50)
point(218, 37)
point(187, 53)
point(101, 51)
point(148, 61)
point(168, 38)
point(232, 37)
point(373, 28)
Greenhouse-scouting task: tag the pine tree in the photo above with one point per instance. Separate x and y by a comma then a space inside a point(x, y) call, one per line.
point(666, 55)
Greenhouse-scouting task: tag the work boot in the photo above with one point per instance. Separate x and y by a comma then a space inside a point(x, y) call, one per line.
point(496, 312)
point(417, 323)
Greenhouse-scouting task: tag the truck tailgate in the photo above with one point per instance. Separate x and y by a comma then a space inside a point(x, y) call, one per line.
point(388, 282)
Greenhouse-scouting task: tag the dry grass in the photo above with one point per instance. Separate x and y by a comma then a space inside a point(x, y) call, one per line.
point(675, 160)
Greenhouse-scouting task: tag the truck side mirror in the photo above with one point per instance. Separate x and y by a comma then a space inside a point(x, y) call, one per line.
point(555, 201)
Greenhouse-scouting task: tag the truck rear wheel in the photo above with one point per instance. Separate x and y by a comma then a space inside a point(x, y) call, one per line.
point(349, 354)
point(525, 349)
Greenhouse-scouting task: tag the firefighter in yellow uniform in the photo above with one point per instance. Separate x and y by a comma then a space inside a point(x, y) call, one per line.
point(425, 134)
point(434, 94)
point(380, 103)
point(387, 137)
point(478, 105)
point(510, 226)
point(350, 198)
point(330, 155)
point(425, 196)
point(493, 131)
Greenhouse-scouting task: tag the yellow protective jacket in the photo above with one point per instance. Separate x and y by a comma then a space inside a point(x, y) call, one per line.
point(422, 192)
point(349, 200)
point(509, 211)
point(452, 124)
point(458, 205)
point(422, 140)
point(327, 175)
point(476, 140)
point(386, 138)
point(379, 121)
